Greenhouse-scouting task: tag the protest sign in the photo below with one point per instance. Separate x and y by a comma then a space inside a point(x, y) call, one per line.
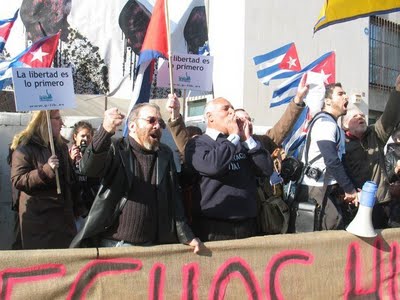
point(317, 265)
point(193, 72)
point(43, 88)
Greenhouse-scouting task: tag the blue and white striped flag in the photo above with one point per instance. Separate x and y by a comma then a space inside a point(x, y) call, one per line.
point(285, 92)
point(280, 63)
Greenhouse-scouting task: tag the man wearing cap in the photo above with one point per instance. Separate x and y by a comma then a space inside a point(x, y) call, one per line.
point(364, 158)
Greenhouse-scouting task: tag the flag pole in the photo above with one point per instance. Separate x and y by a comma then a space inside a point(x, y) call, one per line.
point(184, 104)
point(53, 152)
point(171, 83)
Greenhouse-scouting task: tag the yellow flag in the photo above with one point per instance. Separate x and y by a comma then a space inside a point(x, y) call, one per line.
point(337, 11)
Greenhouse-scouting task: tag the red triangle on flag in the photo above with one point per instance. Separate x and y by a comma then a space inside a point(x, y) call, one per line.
point(290, 61)
point(4, 30)
point(327, 68)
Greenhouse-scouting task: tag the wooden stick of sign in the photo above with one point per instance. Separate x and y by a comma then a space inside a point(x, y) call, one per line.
point(53, 152)
point(171, 83)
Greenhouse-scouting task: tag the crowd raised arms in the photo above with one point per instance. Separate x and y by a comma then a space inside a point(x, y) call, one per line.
point(119, 192)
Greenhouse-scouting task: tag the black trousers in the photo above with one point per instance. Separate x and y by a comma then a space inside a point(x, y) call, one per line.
point(209, 229)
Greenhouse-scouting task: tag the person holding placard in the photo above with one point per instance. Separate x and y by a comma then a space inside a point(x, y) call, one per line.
point(47, 219)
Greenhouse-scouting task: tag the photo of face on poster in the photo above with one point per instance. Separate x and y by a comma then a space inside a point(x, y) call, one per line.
point(101, 40)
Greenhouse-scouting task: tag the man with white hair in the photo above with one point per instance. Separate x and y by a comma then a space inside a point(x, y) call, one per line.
point(364, 158)
point(228, 160)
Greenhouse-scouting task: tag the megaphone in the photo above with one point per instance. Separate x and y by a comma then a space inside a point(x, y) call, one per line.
point(362, 223)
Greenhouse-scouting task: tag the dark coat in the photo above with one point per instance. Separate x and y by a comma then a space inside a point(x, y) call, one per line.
point(116, 168)
point(364, 158)
point(271, 140)
point(46, 219)
point(391, 158)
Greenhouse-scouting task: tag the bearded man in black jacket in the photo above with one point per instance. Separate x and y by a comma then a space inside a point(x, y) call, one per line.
point(139, 202)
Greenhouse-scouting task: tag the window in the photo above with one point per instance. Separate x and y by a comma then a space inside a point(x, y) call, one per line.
point(384, 58)
point(196, 107)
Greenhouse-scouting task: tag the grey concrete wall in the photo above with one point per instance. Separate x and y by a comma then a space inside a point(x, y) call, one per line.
point(10, 124)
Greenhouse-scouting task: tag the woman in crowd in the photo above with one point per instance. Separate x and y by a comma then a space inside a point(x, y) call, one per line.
point(47, 219)
point(81, 137)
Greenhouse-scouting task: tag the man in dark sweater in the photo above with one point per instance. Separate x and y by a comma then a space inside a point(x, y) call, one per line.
point(139, 202)
point(228, 159)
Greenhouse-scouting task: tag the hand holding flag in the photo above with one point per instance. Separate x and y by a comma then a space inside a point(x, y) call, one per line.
point(288, 89)
point(324, 67)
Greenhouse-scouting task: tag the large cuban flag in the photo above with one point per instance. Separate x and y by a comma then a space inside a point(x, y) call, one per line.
point(325, 65)
point(325, 68)
point(277, 64)
point(5, 29)
point(38, 55)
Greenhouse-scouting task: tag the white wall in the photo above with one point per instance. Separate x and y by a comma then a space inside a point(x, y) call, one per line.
point(226, 35)
point(268, 25)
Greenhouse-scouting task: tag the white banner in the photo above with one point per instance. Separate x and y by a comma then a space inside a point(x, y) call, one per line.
point(43, 88)
point(193, 72)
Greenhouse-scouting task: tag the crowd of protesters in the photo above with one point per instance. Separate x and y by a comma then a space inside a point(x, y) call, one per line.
point(113, 192)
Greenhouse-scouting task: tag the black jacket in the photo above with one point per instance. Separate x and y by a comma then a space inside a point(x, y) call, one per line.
point(116, 168)
point(391, 158)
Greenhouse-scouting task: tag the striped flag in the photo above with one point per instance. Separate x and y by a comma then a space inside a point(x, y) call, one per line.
point(285, 92)
point(38, 55)
point(298, 134)
point(5, 29)
point(280, 63)
point(324, 68)
point(155, 45)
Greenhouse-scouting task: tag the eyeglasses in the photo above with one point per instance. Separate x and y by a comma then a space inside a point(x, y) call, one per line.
point(153, 120)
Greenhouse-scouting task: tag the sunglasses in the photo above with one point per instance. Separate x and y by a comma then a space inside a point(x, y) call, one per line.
point(153, 120)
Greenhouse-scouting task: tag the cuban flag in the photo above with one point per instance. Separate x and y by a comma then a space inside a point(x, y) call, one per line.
point(285, 92)
point(5, 29)
point(38, 55)
point(325, 66)
point(298, 134)
point(155, 45)
point(280, 63)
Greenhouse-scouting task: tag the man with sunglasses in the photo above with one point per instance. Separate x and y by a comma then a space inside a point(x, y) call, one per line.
point(139, 202)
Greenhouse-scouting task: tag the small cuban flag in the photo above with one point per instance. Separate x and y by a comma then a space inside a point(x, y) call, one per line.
point(5, 29)
point(277, 64)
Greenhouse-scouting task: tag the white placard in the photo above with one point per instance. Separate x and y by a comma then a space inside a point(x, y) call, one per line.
point(43, 88)
point(316, 92)
point(192, 72)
